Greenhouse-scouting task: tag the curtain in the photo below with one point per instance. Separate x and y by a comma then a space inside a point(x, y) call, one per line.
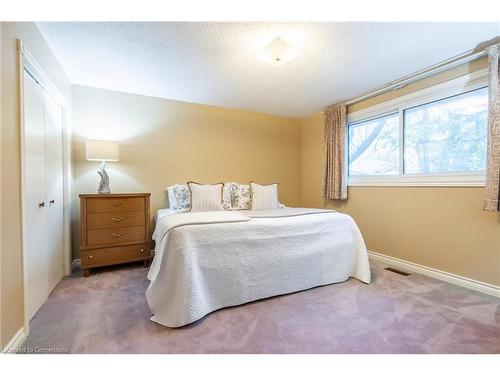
point(335, 176)
point(491, 201)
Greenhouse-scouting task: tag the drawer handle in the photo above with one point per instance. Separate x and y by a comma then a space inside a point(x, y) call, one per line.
point(117, 235)
point(116, 219)
point(142, 250)
point(116, 204)
point(91, 257)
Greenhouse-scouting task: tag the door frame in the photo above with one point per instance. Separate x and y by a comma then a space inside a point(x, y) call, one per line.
point(27, 62)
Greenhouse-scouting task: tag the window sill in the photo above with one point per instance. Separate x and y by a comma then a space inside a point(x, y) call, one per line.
point(465, 180)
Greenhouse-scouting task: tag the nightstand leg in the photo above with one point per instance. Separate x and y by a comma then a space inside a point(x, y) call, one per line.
point(146, 263)
point(86, 272)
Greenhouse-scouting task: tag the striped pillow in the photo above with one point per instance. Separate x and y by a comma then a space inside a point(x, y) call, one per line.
point(205, 197)
point(264, 197)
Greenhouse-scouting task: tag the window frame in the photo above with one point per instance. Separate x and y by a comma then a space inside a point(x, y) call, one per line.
point(454, 87)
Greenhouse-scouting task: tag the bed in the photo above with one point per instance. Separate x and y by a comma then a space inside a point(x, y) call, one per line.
point(205, 261)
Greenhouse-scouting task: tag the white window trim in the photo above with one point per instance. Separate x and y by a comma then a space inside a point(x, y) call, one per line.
point(463, 84)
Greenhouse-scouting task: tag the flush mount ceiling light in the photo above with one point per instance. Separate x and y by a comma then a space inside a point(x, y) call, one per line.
point(277, 53)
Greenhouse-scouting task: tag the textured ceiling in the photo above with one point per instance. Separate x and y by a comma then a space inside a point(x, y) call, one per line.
point(216, 64)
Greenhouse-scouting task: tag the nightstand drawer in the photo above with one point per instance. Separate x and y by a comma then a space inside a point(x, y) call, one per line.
point(115, 220)
point(97, 205)
point(113, 255)
point(115, 235)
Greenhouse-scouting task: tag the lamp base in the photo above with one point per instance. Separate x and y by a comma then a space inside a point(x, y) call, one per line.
point(104, 184)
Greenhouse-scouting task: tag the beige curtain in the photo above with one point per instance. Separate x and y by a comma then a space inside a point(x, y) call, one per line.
point(491, 201)
point(335, 176)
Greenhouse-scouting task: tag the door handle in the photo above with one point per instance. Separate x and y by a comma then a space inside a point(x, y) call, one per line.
point(52, 202)
point(41, 205)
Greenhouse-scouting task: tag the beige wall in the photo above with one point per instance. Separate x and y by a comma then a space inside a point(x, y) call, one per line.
point(440, 227)
point(163, 142)
point(11, 256)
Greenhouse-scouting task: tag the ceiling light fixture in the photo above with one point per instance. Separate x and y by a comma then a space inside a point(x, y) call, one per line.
point(277, 53)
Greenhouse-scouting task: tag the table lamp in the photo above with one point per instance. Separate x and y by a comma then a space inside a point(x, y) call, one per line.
point(102, 151)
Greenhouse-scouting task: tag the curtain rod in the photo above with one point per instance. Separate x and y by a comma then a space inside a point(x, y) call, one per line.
point(470, 55)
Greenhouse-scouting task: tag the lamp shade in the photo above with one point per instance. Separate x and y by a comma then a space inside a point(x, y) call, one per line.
point(101, 150)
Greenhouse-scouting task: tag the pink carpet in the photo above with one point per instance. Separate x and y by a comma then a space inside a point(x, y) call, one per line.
point(107, 313)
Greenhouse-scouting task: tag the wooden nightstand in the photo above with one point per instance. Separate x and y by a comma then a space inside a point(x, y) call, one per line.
point(114, 228)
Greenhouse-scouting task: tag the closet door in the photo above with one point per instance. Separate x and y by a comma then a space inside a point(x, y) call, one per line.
point(54, 191)
point(35, 207)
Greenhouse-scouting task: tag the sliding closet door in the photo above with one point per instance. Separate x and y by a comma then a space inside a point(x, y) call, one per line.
point(54, 191)
point(36, 261)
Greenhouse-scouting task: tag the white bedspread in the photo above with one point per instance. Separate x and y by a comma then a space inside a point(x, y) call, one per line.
point(204, 264)
point(286, 212)
point(195, 218)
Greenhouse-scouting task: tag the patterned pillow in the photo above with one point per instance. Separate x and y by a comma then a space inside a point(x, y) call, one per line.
point(236, 196)
point(242, 199)
point(227, 195)
point(179, 197)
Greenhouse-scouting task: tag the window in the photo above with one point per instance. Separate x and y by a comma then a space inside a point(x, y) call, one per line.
point(374, 146)
point(448, 135)
point(434, 137)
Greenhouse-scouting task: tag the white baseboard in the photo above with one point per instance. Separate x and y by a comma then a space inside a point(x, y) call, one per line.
point(16, 341)
point(451, 278)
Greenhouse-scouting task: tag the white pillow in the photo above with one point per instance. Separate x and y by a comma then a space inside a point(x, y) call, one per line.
point(264, 197)
point(179, 197)
point(205, 197)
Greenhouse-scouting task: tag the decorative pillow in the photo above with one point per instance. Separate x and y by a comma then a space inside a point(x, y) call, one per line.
point(227, 195)
point(205, 197)
point(242, 197)
point(172, 202)
point(236, 196)
point(179, 197)
point(264, 197)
